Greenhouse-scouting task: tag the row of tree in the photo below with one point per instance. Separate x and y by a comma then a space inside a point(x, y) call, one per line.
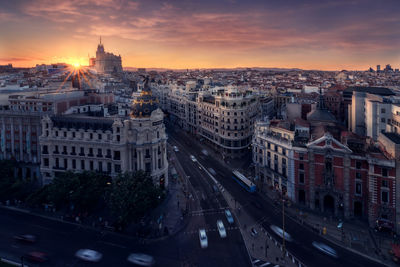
point(127, 197)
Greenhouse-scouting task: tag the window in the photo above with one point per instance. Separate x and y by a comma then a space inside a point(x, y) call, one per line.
point(65, 134)
point(118, 138)
point(91, 136)
point(73, 164)
point(385, 183)
point(73, 151)
point(358, 175)
point(82, 153)
point(65, 163)
point(358, 188)
point(46, 162)
point(117, 155)
point(383, 110)
point(301, 166)
point(91, 165)
point(99, 152)
point(358, 164)
point(56, 133)
point(385, 196)
point(301, 178)
point(109, 167)
point(384, 172)
point(90, 152)
point(268, 145)
point(82, 164)
point(45, 150)
point(73, 134)
point(301, 156)
point(100, 166)
point(383, 120)
point(284, 151)
point(99, 136)
point(276, 148)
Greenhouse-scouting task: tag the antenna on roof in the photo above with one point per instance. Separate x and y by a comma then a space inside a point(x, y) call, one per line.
point(100, 39)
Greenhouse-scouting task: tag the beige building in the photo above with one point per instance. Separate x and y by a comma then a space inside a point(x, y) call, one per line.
point(113, 145)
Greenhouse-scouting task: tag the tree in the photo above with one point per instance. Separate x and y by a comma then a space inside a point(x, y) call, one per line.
point(131, 195)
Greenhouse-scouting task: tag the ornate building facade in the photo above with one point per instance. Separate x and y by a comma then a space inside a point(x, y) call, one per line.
point(112, 145)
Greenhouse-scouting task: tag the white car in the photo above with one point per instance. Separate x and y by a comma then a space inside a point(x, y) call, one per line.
point(193, 158)
point(229, 216)
point(205, 152)
point(281, 233)
point(88, 255)
point(203, 238)
point(221, 229)
point(325, 249)
point(141, 259)
point(175, 148)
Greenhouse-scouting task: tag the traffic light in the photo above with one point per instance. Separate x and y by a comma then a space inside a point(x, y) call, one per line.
point(324, 231)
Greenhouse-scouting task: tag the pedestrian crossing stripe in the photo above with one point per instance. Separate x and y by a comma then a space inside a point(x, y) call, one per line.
point(210, 230)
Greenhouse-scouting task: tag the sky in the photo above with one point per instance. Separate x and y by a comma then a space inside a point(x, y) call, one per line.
point(307, 34)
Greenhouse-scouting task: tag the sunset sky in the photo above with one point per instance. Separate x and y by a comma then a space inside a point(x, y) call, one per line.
point(309, 34)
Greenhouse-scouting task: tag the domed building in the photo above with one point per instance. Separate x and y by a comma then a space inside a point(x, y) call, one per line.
point(111, 144)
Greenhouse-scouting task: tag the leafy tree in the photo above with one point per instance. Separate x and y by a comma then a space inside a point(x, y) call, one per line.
point(131, 195)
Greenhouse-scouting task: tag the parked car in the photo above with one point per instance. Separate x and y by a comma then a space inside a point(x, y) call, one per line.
point(28, 238)
point(229, 216)
point(88, 255)
point(175, 148)
point(215, 188)
point(36, 256)
point(325, 249)
point(193, 158)
point(281, 233)
point(141, 259)
point(203, 238)
point(221, 229)
point(211, 170)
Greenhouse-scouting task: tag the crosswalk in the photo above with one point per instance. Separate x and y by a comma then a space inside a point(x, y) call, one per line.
point(211, 230)
point(207, 212)
point(260, 263)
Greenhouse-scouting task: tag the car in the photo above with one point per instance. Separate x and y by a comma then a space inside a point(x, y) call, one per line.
point(221, 229)
point(88, 255)
point(254, 232)
point(175, 148)
point(205, 152)
point(28, 238)
point(211, 170)
point(36, 256)
point(229, 216)
point(325, 249)
point(215, 188)
point(203, 238)
point(193, 158)
point(281, 233)
point(141, 259)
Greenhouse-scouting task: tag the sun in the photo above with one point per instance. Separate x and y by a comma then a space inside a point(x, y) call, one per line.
point(76, 65)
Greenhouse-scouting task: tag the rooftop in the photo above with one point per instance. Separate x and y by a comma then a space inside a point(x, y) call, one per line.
point(393, 137)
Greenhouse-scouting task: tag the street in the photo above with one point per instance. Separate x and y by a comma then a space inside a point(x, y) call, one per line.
point(268, 214)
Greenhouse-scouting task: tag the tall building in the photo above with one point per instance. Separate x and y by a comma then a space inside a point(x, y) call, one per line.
point(107, 62)
point(91, 140)
point(378, 68)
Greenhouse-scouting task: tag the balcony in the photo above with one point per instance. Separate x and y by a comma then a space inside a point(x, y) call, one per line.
point(108, 156)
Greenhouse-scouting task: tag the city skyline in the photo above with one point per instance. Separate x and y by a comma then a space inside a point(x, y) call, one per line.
point(353, 35)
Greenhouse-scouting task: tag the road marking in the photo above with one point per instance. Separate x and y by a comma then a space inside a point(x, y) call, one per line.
point(265, 264)
point(255, 261)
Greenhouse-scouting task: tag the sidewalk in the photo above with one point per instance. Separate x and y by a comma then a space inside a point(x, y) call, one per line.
point(355, 236)
point(261, 246)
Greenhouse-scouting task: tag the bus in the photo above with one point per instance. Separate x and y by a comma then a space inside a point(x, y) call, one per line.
point(243, 181)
